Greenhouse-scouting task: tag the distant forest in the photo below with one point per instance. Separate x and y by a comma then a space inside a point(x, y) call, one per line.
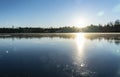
point(110, 27)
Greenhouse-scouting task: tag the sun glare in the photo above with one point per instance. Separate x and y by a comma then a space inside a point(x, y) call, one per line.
point(80, 22)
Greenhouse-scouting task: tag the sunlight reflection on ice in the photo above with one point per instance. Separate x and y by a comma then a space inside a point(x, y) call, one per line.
point(79, 58)
point(80, 40)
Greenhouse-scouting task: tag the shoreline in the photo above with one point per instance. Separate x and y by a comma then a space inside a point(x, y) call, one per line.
point(56, 34)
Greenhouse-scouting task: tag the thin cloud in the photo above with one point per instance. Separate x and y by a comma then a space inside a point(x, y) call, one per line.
point(117, 8)
point(101, 13)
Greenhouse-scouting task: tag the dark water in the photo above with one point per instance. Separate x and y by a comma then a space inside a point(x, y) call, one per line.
point(60, 55)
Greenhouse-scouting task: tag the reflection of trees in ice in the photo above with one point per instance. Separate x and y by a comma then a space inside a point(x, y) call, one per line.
point(110, 37)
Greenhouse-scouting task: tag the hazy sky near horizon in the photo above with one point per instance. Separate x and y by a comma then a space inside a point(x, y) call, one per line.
point(55, 13)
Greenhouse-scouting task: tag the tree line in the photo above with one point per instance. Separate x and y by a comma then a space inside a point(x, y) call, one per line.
point(110, 27)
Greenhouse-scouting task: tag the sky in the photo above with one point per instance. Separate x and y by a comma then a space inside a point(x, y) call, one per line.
point(57, 13)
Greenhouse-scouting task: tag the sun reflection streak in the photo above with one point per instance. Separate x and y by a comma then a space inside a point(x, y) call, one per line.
point(80, 40)
point(79, 54)
point(79, 58)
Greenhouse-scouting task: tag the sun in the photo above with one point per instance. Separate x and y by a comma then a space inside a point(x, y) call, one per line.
point(80, 22)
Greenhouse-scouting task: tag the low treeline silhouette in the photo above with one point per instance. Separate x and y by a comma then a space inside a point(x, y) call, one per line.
point(110, 27)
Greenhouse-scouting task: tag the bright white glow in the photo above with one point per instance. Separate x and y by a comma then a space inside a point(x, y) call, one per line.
point(80, 22)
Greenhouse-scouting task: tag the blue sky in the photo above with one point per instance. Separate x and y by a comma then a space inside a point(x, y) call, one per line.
point(56, 13)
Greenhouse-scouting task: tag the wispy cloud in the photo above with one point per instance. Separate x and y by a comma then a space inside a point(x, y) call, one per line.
point(117, 8)
point(100, 13)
